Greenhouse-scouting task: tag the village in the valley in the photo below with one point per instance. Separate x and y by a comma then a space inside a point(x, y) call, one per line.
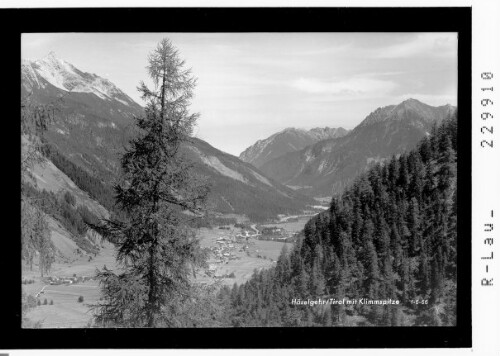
point(237, 250)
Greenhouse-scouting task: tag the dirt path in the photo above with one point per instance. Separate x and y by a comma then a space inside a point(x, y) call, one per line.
point(41, 290)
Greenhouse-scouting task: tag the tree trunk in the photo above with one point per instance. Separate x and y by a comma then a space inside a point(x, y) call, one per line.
point(152, 305)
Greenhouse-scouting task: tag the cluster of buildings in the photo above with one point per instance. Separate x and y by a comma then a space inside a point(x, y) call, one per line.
point(67, 280)
point(245, 234)
point(223, 252)
point(275, 233)
point(225, 246)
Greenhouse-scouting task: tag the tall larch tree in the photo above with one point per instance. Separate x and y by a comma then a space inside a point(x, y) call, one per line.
point(156, 249)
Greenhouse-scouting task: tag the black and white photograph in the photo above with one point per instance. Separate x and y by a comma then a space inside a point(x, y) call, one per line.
point(234, 180)
point(212, 178)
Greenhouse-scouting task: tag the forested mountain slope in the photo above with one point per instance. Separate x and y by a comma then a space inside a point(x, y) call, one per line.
point(391, 236)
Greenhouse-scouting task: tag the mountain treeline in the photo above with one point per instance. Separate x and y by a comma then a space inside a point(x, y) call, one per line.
point(63, 208)
point(391, 235)
point(96, 188)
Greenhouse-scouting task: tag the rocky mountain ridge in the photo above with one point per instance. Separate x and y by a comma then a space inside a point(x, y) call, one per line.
point(288, 140)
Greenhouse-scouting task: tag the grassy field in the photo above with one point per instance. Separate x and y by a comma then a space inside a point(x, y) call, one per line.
point(292, 226)
point(271, 249)
point(78, 264)
point(66, 312)
point(244, 268)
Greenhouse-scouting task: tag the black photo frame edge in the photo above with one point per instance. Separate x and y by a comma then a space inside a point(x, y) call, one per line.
point(14, 22)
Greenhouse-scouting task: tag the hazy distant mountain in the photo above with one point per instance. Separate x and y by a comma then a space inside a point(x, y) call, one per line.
point(95, 120)
point(326, 167)
point(288, 140)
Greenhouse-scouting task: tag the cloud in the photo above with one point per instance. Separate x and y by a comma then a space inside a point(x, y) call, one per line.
point(354, 86)
point(341, 49)
point(35, 41)
point(425, 44)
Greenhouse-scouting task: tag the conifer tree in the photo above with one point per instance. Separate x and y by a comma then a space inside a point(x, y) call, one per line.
point(156, 249)
point(327, 317)
point(404, 178)
point(43, 243)
point(301, 281)
point(316, 281)
point(414, 226)
point(283, 268)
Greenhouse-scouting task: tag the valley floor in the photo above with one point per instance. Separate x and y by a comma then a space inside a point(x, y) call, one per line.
point(233, 261)
point(66, 311)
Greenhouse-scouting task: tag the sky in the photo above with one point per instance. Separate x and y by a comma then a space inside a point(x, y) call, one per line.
point(252, 85)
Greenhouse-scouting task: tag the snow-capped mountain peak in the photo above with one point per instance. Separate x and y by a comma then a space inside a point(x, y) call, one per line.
point(65, 76)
